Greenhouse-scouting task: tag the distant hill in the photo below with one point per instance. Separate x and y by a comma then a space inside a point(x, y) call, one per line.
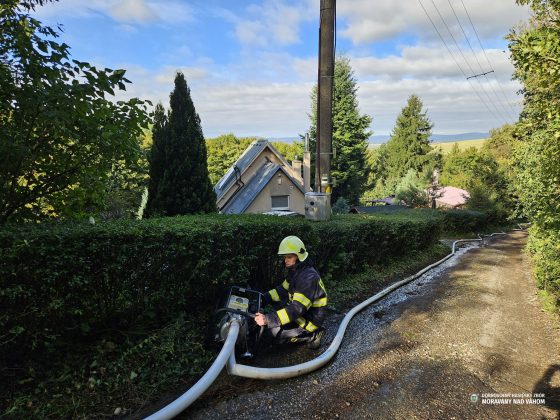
point(438, 138)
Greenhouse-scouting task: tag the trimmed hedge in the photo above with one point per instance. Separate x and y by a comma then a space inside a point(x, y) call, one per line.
point(60, 282)
point(464, 220)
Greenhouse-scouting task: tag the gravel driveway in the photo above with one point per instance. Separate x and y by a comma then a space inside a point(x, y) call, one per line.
point(468, 340)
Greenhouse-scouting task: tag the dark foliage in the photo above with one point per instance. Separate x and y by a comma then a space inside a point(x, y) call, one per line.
point(179, 180)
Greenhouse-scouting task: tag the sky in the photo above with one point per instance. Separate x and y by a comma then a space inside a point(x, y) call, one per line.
point(251, 65)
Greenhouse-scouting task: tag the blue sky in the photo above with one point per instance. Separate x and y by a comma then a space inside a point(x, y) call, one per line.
point(251, 64)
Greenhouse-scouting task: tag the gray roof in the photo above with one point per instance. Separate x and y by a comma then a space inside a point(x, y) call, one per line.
point(243, 199)
point(244, 161)
point(377, 209)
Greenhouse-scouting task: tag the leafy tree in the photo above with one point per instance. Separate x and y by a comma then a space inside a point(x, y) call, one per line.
point(289, 150)
point(501, 144)
point(462, 168)
point(60, 136)
point(179, 181)
point(224, 150)
point(479, 173)
point(126, 185)
point(157, 159)
point(350, 134)
point(534, 50)
point(482, 198)
point(409, 144)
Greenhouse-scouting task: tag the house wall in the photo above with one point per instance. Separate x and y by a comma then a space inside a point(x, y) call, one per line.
point(250, 172)
point(262, 202)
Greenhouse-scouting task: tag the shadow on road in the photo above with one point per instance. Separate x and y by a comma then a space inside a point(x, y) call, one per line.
point(550, 388)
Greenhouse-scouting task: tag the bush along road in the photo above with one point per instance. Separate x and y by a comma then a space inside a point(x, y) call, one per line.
point(468, 340)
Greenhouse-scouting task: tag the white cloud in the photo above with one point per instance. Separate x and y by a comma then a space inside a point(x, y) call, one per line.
point(172, 11)
point(129, 29)
point(122, 11)
point(367, 21)
point(250, 33)
point(269, 109)
point(452, 105)
point(271, 22)
point(273, 109)
point(423, 62)
point(265, 91)
point(133, 11)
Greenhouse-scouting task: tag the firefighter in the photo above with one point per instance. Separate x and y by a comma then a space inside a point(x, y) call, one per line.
point(300, 301)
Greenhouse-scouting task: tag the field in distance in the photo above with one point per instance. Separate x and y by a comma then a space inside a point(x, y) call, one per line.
point(463, 144)
point(447, 146)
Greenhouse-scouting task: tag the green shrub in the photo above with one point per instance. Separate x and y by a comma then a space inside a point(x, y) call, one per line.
point(457, 220)
point(412, 190)
point(544, 245)
point(68, 281)
point(488, 202)
point(341, 206)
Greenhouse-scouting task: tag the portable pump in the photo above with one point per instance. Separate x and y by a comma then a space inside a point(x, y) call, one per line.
point(240, 304)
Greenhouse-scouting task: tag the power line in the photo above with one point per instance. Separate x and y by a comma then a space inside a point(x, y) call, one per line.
point(487, 60)
point(484, 73)
point(468, 64)
point(456, 62)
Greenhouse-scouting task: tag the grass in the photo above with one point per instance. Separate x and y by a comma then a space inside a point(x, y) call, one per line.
point(445, 148)
point(506, 227)
point(118, 373)
point(355, 288)
point(548, 302)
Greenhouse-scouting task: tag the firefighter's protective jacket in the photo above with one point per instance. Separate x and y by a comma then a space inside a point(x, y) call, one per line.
point(303, 296)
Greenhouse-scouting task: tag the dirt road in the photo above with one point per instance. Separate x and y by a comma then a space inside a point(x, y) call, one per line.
point(466, 342)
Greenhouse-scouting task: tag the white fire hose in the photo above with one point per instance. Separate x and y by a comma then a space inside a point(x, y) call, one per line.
point(227, 354)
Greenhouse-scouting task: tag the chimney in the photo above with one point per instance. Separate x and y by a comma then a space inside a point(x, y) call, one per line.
point(306, 165)
point(296, 166)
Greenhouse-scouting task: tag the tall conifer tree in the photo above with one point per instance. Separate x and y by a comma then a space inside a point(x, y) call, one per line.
point(409, 144)
point(181, 184)
point(350, 134)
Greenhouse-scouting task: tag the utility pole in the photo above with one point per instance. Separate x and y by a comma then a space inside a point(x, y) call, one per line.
point(325, 96)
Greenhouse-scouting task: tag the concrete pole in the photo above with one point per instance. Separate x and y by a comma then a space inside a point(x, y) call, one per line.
point(325, 92)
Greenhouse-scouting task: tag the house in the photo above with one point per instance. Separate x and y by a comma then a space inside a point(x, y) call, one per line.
point(262, 181)
point(451, 197)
